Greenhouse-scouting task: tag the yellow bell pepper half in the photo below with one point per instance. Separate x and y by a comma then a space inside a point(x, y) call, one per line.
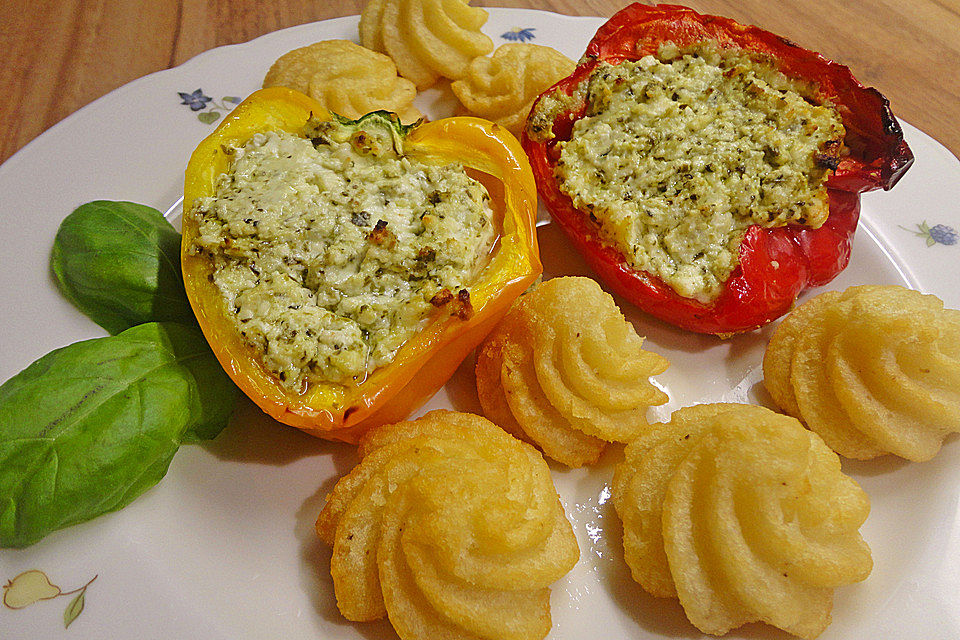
point(426, 361)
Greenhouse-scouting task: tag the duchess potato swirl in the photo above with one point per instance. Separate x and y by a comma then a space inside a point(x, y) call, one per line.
point(503, 87)
point(565, 370)
point(873, 370)
point(451, 528)
point(428, 39)
point(743, 515)
point(345, 78)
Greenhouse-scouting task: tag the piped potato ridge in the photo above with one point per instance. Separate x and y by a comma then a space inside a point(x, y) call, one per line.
point(566, 371)
point(743, 515)
point(873, 370)
point(452, 528)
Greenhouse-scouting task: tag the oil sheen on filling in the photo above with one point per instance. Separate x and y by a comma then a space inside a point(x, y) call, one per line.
point(328, 252)
point(679, 153)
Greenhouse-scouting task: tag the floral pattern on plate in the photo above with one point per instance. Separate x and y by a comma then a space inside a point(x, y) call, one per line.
point(208, 108)
point(937, 234)
point(32, 586)
point(519, 34)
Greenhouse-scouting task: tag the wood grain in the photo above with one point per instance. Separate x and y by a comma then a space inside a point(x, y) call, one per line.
point(58, 55)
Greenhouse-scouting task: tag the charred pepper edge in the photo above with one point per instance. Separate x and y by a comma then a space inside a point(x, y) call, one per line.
point(622, 38)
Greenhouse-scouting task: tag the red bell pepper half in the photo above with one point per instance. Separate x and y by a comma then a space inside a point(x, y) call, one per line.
point(775, 264)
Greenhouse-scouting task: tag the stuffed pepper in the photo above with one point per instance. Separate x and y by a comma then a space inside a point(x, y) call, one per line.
point(341, 270)
point(709, 171)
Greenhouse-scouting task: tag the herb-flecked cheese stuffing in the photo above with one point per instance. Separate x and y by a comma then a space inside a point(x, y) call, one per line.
point(332, 249)
point(679, 153)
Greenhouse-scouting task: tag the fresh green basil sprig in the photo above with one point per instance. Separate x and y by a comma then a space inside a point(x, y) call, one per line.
point(119, 263)
point(87, 428)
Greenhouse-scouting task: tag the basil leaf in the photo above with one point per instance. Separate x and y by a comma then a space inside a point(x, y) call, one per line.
point(87, 428)
point(119, 263)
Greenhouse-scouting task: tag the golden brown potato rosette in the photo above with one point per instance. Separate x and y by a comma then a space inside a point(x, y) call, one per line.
point(565, 370)
point(743, 515)
point(873, 370)
point(451, 528)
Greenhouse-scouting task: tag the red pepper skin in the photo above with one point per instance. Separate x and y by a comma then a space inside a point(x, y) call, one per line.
point(775, 264)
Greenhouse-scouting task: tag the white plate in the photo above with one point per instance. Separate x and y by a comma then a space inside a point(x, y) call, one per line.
point(224, 546)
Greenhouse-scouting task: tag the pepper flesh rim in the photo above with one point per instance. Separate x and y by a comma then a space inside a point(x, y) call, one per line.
point(754, 294)
point(425, 362)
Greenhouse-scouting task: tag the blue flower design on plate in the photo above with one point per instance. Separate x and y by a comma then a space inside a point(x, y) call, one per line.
point(518, 34)
point(937, 234)
point(209, 113)
point(196, 100)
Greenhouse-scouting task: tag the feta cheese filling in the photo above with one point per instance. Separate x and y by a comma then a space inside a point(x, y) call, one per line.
point(332, 249)
point(679, 153)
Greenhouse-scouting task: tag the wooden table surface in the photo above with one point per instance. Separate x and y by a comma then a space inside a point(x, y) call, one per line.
point(58, 55)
